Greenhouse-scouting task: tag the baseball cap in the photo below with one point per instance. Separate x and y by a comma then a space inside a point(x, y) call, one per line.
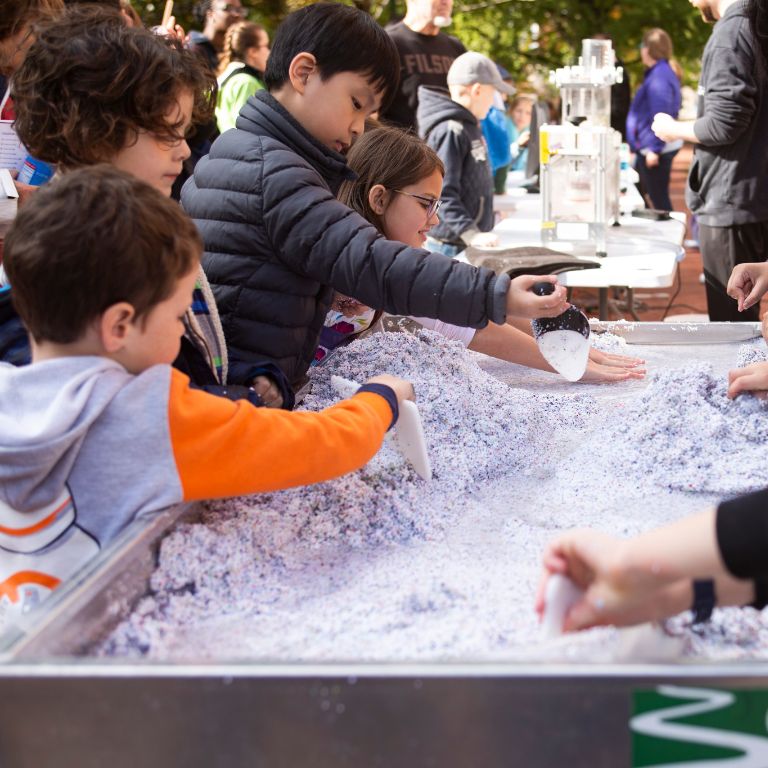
point(472, 68)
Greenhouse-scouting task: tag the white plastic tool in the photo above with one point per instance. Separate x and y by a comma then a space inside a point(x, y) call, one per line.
point(563, 340)
point(560, 596)
point(408, 432)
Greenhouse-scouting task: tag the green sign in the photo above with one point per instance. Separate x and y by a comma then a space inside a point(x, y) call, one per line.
point(699, 728)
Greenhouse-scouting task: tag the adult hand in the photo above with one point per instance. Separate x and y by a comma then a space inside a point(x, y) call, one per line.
point(269, 392)
point(521, 300)
point(752, 378)
point(651, 160)
point(665, 127)
point(485, 240)
point(615, 592)
point(748, 283)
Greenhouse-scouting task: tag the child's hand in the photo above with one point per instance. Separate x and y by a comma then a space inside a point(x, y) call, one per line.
point(600, 373)
point(521, 301)
point(484, 240)
point(25, 191)
point(348, 306)
point(764, 327)
point(605, 367)
point(523, 139)
point(403, 389)
point(747, 284)
point(753, 378)
point(269, 392)
point(615, 361)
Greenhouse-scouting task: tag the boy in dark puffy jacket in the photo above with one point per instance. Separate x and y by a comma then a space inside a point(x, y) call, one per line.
point(278, 242)
point(449, 121)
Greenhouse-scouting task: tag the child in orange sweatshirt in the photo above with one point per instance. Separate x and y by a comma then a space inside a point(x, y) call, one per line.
point(99, 429)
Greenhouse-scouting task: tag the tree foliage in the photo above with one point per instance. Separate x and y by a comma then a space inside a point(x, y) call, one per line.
point(528, 37)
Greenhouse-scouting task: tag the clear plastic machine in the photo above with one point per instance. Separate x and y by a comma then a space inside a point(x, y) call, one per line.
point(580, 158)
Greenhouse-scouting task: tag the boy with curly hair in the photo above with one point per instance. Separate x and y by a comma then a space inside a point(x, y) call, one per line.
point(92, 89)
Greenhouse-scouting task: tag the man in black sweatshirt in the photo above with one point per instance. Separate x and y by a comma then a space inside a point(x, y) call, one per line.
point(426, 55)
point(728, 179)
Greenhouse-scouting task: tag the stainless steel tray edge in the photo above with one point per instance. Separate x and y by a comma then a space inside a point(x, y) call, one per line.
point(678, 332)
point(81, 612)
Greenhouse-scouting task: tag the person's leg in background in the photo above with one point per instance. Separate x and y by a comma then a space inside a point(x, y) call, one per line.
point(656, 180)
point(722, 248)
point(500, 180)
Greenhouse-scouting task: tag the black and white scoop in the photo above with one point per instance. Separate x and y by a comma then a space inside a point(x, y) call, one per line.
point(563, 340)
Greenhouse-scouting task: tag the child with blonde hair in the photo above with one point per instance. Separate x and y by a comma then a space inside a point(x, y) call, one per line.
point(241, 70)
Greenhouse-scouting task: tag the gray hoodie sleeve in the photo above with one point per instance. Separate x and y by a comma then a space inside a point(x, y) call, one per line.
point(730, 96)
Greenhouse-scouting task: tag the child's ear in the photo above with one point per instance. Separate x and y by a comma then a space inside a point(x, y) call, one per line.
point(378, 198)
point(115, 325)
point(301, 67)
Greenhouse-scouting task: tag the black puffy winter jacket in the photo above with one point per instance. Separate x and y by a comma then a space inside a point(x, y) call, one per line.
point(277, 244)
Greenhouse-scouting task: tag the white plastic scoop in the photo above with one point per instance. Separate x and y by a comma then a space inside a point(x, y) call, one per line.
point(644, 642)
point(563, 340)
point(561, 594)
point(408, 432)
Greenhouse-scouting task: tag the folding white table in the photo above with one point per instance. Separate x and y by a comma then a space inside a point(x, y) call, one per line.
point(642, 253)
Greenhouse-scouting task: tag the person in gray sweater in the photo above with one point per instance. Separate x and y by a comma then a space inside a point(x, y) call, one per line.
point(728, 180)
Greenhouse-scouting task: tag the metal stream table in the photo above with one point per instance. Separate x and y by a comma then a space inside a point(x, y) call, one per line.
point(60, 707)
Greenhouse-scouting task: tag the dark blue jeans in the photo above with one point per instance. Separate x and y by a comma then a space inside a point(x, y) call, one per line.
point(655, 181)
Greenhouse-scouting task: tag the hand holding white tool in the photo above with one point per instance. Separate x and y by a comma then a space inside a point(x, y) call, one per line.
point(408, 434)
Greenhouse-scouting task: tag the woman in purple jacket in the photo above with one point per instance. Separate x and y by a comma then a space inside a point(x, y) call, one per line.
point(660, 92)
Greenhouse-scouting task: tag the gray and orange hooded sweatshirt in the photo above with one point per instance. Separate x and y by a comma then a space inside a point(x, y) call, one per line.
point(86, 448)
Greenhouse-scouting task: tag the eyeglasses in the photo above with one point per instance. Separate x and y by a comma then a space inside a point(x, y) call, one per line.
point(432, 203)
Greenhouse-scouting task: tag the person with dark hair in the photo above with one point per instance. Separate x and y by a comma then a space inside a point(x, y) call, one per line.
point(111, 433)
point(132, 18)
point(727, 187)
point(278, 242)
point(93, 90)
point(660, 92)
point(215, 17)
point(80, 102)
point(241, 70)
point(426, 54)
point(17, 18)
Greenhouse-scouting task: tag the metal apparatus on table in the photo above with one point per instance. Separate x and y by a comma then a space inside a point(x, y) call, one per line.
point(580, 159)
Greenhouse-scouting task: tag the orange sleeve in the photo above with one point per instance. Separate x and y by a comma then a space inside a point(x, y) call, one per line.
point(225, 448)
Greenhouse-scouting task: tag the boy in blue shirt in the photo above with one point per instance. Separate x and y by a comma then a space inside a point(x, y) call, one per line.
point(278, 242)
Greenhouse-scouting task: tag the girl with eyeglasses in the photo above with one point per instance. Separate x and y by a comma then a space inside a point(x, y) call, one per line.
point(241, 70)
point(398, 186)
